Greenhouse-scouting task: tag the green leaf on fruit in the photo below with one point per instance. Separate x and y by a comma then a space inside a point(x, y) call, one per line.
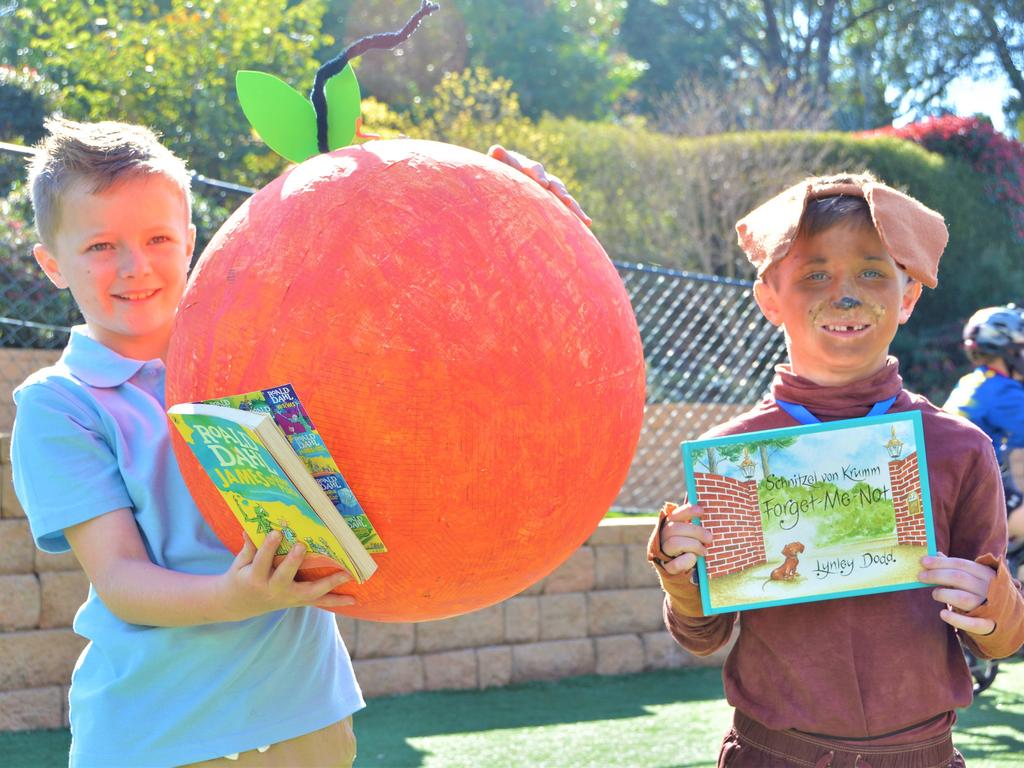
point(343, 108)
point(282, 116)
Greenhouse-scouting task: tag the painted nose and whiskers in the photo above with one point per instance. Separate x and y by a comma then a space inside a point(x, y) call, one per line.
point(847, 314)
point(847, 302)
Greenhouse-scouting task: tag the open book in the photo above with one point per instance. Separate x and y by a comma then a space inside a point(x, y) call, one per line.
point(268, 485)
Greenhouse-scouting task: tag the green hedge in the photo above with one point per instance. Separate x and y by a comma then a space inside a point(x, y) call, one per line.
point(641, 189)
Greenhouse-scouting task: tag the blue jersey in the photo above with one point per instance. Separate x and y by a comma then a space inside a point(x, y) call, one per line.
point(995, 403)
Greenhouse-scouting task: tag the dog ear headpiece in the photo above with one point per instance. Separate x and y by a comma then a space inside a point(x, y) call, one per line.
point(913, 234)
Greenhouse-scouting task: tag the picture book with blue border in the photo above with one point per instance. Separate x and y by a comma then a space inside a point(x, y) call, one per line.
point(812, 512)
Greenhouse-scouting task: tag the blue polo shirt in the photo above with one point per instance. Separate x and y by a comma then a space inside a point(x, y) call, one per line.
point(91, 436)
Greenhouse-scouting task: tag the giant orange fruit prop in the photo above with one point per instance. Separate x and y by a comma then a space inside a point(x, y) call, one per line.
point(461, 341)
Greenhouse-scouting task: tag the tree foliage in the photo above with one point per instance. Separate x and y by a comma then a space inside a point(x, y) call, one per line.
point(563, 56)
point(401, 77)
point(865, 520)
point(927, 45)
point(860, 62)
point(998, 159)
point(677, 42)
point(475, 109)
point(865, 61)
point(788, 49)
point(26, 98)
point(763, 448)
point(171, 65)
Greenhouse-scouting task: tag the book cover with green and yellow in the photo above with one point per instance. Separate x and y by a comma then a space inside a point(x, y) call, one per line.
point(283, 405)
point(256, 488)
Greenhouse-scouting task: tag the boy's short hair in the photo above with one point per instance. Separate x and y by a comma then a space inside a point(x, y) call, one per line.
point(839, 210)
point(99, 155)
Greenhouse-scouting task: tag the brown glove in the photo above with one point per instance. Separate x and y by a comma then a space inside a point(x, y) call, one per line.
point(682, 590)
point(1004, 604)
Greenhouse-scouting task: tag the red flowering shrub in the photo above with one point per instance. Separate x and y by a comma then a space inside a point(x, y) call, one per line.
point(989, 152)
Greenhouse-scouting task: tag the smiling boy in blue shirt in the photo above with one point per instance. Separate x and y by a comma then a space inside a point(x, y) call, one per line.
point(195, 653)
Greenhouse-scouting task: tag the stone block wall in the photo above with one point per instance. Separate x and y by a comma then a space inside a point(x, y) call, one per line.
point(39, 595)
point(598, 613)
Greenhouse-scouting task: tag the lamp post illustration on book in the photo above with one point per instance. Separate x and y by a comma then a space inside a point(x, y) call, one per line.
point(827, 511)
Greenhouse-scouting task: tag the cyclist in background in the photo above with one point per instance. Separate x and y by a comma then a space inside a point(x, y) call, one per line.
point(992, 395)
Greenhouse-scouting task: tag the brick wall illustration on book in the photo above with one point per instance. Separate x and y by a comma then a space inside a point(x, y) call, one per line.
point(815, 512)
point(273, 471)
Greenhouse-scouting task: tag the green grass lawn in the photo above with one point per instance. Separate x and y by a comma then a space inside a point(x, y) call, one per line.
point(634, 514)
point(653, 719)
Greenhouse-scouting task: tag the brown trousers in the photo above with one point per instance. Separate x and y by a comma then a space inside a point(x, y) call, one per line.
point(750, 745)
point(330, 747)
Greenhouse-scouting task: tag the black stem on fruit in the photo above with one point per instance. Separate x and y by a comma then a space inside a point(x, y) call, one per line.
point(382, 40)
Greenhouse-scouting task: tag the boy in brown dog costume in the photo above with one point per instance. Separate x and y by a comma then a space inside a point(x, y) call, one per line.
point(872, 680)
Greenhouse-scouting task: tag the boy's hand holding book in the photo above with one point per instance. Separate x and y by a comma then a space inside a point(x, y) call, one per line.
point(682, 541)
point(274, 473)
point(675, 545)
point(962, 586)
point(254, 585)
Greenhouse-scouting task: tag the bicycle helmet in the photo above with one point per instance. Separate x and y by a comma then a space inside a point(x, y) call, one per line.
point(998, 331)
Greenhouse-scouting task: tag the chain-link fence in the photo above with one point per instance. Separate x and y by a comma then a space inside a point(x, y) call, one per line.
point(710, 354)
point(708, 350)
